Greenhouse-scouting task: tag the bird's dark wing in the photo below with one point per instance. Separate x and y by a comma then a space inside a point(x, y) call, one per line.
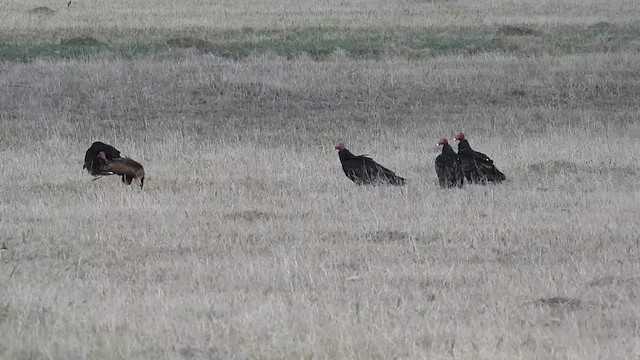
point(364, 171)
point(444, 176)
point(491, 172)
point(380, 173)
point(449, 170)
point(91, 161)
point(476, 156)
point(109, 151)
point(355, 170)
point(480, 168)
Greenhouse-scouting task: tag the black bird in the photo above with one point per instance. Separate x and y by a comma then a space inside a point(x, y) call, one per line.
point(362, 170)
point(91, 158)
point(449, 167)
point(477, 167)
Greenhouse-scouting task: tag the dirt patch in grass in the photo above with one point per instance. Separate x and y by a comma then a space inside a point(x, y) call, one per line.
point(559, 302)
point(553, 167)
point(612, 281)
point(42, 10)
point(252, 215)
point(512, 30)
point(602, 25)
point(189, 42)
point(564, 167)
point(82, 41)
point(383, 236)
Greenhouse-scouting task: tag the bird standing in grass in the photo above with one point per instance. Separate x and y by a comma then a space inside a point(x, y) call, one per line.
point(448, 166)
point(362, 170)
point(477, 167)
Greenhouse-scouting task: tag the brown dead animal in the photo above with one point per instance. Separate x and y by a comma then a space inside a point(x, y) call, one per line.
point(128, 168)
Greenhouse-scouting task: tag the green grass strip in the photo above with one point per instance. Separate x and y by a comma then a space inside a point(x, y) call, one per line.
point(320, 43)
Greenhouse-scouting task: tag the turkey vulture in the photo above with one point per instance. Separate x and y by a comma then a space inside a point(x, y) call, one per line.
point(477, 167)
point(128, 168)
point(362, 170)
point(92, 162)
point(448, 167)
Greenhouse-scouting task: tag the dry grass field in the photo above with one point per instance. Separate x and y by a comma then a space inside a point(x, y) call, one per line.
point(248, 241)
point(177, 15)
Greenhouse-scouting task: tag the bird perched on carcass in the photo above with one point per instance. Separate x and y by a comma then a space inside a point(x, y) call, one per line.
point(92, 162)
point(362, 170)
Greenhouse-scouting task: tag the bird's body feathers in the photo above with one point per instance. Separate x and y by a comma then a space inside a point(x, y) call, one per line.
point(363, 170)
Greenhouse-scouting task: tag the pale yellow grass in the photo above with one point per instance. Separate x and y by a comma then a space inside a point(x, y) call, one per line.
point(249, 242)
point(192, 15)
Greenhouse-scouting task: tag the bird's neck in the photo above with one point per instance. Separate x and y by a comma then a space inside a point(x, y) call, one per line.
point(345, 154)
point(447, 149)
point(464, 144)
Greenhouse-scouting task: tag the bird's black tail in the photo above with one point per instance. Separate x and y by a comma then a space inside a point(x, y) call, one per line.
point(399, 181)
point(496, 176)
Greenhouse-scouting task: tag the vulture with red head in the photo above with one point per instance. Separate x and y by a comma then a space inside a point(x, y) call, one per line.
point(477, 167)
point(362, 170)
point(91, 158)
point(448, 167)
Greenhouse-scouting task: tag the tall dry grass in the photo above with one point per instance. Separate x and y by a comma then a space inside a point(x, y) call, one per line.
point(249, 242)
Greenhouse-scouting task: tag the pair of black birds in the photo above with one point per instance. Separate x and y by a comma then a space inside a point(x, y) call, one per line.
point(451, 168)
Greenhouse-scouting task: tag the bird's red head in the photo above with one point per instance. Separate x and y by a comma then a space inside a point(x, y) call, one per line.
point(339, 147)
point(443, 141)
point(459, 137)
point(102, 156)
